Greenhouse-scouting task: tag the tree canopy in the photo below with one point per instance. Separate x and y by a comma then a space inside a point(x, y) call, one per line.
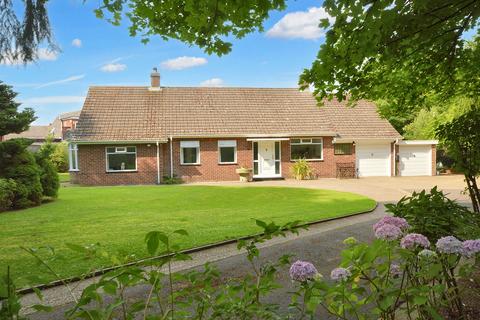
point(20, 40)
point(12, 120)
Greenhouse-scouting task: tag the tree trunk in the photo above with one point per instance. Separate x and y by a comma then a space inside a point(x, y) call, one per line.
point(474, 192)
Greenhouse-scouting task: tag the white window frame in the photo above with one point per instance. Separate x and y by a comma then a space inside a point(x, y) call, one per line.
point(72, 154)
point(305, 141)
point(121, 150)
point(227, 144)
point(190, 144)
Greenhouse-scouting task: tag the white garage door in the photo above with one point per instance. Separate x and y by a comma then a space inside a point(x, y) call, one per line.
point(373, 159)
point(415, 160)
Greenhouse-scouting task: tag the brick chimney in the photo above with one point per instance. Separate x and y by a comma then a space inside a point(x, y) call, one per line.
point(154, 80)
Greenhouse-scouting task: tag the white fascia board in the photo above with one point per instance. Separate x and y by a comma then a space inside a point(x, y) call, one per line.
point(417, 142)
point(118, 142)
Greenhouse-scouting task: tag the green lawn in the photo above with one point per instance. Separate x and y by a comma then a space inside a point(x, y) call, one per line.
point(119, 217)
point(64, 176)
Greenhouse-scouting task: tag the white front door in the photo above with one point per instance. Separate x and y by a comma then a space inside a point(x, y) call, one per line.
point(268, 158)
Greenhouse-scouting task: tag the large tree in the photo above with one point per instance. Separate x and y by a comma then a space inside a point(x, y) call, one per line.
point(11, 119)
point(20, 38)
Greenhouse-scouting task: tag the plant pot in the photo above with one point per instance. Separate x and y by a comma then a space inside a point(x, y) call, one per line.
point(244, 174)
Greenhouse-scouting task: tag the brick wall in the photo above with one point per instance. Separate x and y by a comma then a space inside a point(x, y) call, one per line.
point(434, 160)
point(325, 168)
point(209, 169)
point(92, 163)
point(92, 166)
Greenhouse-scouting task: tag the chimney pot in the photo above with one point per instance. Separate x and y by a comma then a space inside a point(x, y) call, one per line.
point(155, 80)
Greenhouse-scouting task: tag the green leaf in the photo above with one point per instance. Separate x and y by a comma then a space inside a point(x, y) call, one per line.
point(44, 308)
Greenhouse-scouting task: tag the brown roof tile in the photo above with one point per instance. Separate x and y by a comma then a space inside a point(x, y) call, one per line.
point(138, 114)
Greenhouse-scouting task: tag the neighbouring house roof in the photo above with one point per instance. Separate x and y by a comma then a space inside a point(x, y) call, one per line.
point(139, 114)
point(34, 132)
point(57, 123)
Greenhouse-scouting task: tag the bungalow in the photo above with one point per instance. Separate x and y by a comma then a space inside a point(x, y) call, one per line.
point(138, 135)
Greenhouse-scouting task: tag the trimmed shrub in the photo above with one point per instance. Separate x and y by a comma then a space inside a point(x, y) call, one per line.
point(48, 172)
point(7, 193)
point(17, 163)
point(59, 157)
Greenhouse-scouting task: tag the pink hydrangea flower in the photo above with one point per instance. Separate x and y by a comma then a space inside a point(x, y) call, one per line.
point(388, 232)
point(395, 270)
point(471, 247)
point(450, 245)
point(302, 271)
point(339, 274)
point(413, 240)
point(395, 221)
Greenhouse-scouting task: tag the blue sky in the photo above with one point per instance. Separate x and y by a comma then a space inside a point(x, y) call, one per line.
point(93, 52)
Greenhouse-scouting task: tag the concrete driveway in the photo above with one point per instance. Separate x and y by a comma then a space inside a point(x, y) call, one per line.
point(321, 244)
point(382, 189)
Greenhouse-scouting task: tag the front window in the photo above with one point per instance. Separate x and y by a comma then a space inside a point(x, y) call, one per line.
point(227, 151)
point(306, 148)
point(189, 152)
point(73, 156)
point(121, 159)
point(343, 148)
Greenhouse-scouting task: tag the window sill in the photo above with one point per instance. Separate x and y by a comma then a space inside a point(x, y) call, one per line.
point(74, 170)
point(226, 163)
point(349, 154)
point(120, 171)
point(309, 160)
point(189, 164)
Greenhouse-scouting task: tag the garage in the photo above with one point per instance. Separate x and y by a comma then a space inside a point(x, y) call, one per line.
point(373, 159)
point(415, 158)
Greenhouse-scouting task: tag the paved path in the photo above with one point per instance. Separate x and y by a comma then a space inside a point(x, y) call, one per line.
point(320, 244)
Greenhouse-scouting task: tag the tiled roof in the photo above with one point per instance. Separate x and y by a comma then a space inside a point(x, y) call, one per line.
point(139, 114)
point(34, 132)
point(360, 121)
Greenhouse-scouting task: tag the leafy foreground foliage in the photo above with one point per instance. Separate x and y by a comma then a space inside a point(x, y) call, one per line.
point(435, 216)
point(388, 278)
point(461, 138)
point(117, 217)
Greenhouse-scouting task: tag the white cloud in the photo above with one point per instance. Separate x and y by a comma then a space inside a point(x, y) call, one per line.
point(214, 82)
point(184, 62)
point(77, 42)
point(113, 67)
point(69, 79)
point(300, 24)
point(46, 54)
point(53, 100)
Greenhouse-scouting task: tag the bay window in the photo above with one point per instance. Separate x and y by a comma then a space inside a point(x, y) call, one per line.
point(306, 148)
point(121, 159)
point(73, 157)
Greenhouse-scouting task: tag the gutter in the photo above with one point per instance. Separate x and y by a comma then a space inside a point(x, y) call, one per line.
point(171, 157)
point(158, 163)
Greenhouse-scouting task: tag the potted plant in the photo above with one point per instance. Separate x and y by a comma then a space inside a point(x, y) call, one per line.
point(301, 169)
point(244, 173)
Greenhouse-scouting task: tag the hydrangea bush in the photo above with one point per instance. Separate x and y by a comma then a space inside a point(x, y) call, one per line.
point(400, 273)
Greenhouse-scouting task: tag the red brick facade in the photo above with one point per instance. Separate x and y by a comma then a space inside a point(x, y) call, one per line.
point(92, 167)
point(92, 163)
